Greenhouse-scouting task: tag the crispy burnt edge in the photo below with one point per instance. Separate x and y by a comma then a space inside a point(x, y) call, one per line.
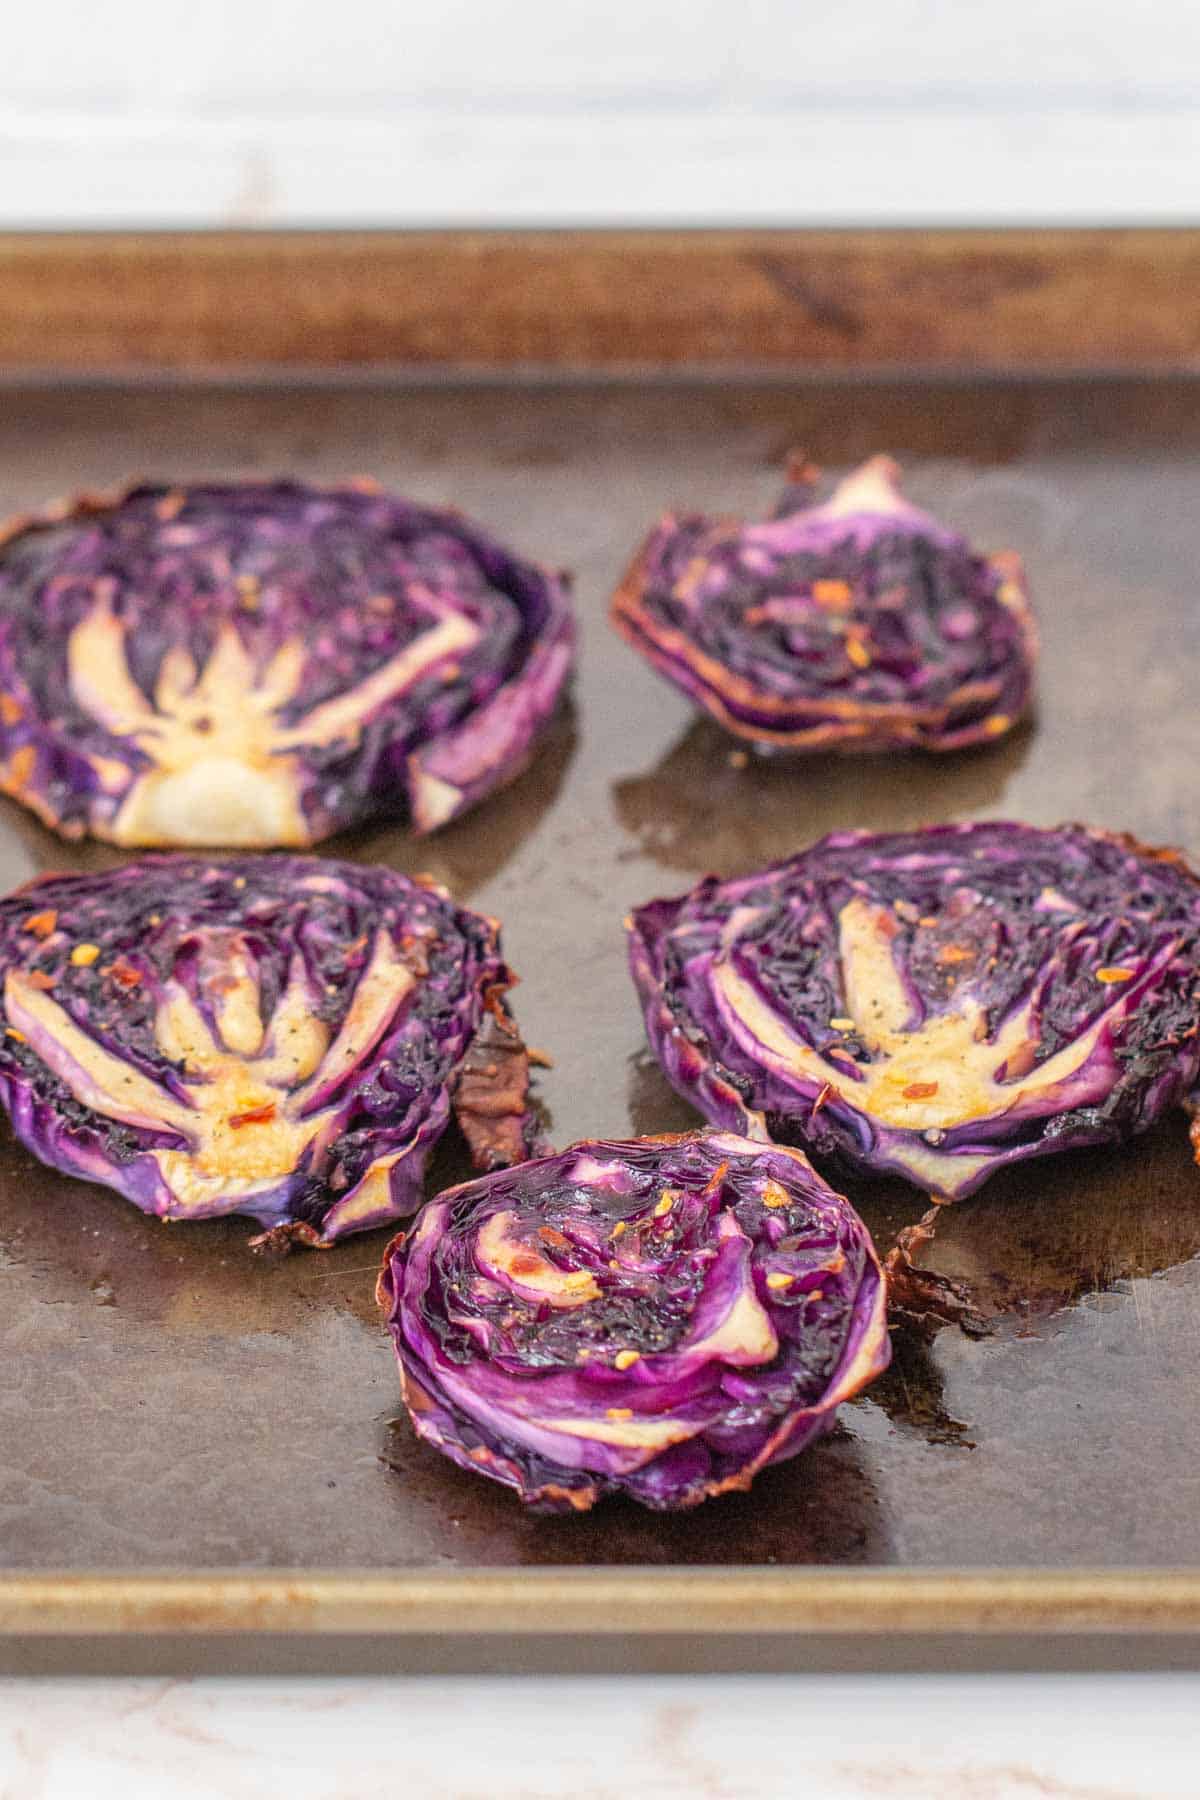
point(920, 1297)
point(485, 750)
point(844, 724)
point(861, 1366)
point(917, 1297)
point(489, 1094)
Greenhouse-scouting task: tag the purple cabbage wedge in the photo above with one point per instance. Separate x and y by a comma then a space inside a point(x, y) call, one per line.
point(274, 1035)
point(859, 624)
point(932, 1004)
point(264, 663)
point(662, 1317)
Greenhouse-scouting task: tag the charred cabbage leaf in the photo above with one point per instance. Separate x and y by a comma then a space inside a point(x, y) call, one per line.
point(662, 1317)
point(932, 1004)
point(276, 1036)
point(265, 663)
point(859, 624)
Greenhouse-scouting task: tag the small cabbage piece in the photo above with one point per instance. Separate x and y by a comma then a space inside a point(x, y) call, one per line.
point(259, 664)
point(662, 1317)
point(932, 1004)
point(859, 624)
point(272, 1035)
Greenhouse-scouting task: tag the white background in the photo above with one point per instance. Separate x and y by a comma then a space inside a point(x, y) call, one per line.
point(378, 112)
point(933, 1737)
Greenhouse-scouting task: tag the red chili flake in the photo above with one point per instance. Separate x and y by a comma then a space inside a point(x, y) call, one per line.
point(549, 1235)
point(858, 653)
point(820, 1100)
point(834, 596)
point(41, 924)
point(124, 972)
point(10, 710)
point(954, 953)
point(713, 1185)
point(258, 1115)
point(920, 1090)
point(21, 765)
point(1107, 975)
point(38, 978)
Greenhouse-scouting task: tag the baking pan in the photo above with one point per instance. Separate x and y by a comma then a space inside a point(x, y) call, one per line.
point(600, 300)
point(203, 1461)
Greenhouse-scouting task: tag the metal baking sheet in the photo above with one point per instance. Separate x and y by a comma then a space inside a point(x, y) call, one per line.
point(171, 1403)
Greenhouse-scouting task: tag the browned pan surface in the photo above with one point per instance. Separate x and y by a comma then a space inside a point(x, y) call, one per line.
point(166, 1400)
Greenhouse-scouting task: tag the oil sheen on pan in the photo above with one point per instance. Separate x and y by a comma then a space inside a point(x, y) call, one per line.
point(661, 1317)
point(260, 664)
point(933, 1004)
point(273, 1035)
point(858, 624)
point(164, 1364)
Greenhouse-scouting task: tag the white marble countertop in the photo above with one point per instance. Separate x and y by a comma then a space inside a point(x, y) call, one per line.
point(943, 1737)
